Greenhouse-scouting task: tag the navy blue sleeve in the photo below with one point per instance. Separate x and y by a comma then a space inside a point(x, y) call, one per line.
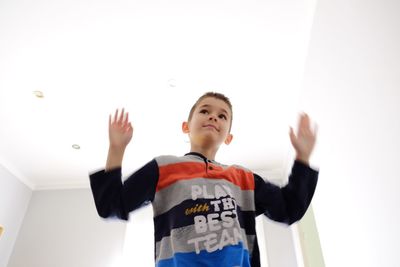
point(289, 203)
point(114, 198)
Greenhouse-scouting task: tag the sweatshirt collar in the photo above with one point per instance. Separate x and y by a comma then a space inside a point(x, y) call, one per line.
point(197, 154)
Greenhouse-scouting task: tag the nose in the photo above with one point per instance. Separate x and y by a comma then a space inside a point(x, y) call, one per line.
point(212, 118)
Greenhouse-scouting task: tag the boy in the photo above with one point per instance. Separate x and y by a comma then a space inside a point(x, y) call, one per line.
point(204, 211)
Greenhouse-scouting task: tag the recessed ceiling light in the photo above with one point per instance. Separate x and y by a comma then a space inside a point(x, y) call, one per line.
point(76, 146)
point(38, 94)
point(171, 82)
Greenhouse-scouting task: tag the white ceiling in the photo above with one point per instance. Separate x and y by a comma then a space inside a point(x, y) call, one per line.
point(155, 58)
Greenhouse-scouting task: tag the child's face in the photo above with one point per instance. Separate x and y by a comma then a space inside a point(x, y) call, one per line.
point(210, 123)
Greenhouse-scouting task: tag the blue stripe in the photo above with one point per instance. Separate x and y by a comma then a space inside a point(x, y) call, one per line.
point(230, 256)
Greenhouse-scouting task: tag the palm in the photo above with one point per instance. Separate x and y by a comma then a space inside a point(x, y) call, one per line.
point(120, 130)
point(304, 141)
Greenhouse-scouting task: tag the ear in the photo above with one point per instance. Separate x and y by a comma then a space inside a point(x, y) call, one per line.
point(185, 127)
point(228, 139)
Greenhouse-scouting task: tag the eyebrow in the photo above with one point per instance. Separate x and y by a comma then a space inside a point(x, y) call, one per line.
point(206, 106)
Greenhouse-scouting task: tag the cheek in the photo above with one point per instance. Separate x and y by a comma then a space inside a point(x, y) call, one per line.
point(225, 130)
point(227, 124)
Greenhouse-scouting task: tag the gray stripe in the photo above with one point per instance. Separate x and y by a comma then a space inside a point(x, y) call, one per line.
point(185, 239)
point(169, 159)
point(212, 189)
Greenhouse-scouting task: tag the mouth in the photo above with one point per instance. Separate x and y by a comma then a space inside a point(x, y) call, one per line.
point(211, 126)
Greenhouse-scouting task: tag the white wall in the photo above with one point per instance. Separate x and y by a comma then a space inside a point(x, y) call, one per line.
point(61, 228)
point(279, 245)
point(14, 200)
point(352, 88)
point(308, 241)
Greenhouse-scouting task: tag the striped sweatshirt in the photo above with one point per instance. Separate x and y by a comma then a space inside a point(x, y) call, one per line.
point(204, 211)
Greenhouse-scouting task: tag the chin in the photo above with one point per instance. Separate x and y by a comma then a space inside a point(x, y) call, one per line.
point(207, 140)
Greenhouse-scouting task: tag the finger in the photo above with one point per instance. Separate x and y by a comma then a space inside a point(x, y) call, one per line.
point(116, 115)
point(121, 117)
point(306, 129)
point(126, 118)
point(304, 124)
point(302, 131)
point(305, 120)
point(109, 120)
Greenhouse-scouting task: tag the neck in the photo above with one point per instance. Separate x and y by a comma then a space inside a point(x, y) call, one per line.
point(209, 153)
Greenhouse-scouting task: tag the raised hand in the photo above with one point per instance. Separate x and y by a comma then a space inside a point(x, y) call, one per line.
point(120, 130)
point(304, 141)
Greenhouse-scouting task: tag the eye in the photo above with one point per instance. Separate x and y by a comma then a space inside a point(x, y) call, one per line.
point(204, 111)
point(222, 116)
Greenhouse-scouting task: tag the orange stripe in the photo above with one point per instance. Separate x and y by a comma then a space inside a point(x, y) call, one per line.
point(172, 173)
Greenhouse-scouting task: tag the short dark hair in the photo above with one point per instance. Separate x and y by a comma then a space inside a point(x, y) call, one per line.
point(214, 95)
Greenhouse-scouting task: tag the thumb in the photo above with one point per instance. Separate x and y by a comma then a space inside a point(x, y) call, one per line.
point(292, 135)
point(130, 127)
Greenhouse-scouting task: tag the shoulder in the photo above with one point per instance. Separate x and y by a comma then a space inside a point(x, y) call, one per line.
point(171, 159)
point(241, 168)
point(238, 171)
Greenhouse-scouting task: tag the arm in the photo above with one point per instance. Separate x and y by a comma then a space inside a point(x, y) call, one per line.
point(113, 198)
point(289, 203)
point(120, 132)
